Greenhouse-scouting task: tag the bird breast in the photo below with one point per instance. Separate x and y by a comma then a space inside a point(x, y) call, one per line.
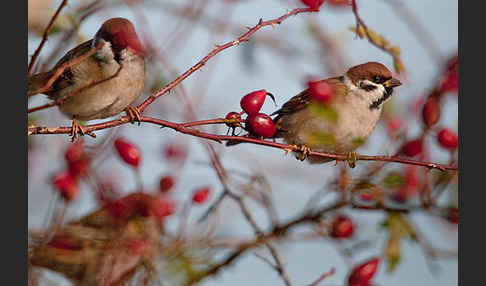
point(339, 128)
point(108, 97)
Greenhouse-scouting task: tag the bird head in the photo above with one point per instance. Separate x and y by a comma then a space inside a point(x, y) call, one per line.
point(374, 81)
point(121, 34)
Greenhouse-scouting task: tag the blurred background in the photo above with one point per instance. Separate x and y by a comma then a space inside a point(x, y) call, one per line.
point(177, 35)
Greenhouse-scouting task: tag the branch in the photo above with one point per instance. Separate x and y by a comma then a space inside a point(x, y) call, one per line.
point(44, 37)
point(282, 230)
point(219, 48)
point(182, 127)
point(322, 277)
point(377, 40)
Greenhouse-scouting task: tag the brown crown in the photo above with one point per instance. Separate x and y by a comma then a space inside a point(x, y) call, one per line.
point(368, 71)
point(121, 33)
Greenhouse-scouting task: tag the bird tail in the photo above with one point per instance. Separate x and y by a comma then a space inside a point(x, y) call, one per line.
point(36, 82)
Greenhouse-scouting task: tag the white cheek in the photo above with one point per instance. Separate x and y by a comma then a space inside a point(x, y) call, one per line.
point(105, 54)
point(366, 96)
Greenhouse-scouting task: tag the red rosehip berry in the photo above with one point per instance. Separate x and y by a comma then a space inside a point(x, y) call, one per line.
point(74, 152)
point(128, 152)
point(66, 184)
point(201, 195)
point(320, 91)
point(253, 102)
point(450, 81)
point(367, 196)
point(235, 116)
point(453, 215)
point(175, 152)
point(362, 274)
point(394, 124)
point(447, 139)
point(162, 207)
point(313, 4)
point(166, 183)
point(431, 112)
point(137, 246)
point(413, 148)
point(260, 124)
point(338, 3)
point(78, 168)
point(342, 227)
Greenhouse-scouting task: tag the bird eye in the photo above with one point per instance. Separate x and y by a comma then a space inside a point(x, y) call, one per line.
point(377, 79)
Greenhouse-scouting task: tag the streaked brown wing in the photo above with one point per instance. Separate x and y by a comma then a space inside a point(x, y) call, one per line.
point(65, 79)
point(74, 53)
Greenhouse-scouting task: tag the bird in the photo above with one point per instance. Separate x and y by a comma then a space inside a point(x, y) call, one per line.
point(346, 122)
point(99, 85)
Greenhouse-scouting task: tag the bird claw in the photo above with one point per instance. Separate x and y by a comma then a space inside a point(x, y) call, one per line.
point(302, 150)
point(352, 157)
point(76, 129)
point(133, 114)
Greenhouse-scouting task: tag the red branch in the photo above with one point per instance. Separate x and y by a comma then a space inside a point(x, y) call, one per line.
point(245, 37)
point(184, 128)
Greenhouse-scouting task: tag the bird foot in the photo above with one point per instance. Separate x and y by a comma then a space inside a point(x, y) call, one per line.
point(352, 157)
point(302, 151)
point(77, 129)
point(133, 114)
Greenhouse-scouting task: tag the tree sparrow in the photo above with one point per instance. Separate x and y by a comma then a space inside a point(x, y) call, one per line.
point(346, 122)
point(103, 84)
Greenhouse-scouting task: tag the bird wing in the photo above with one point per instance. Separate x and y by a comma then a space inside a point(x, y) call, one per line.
point(39, 80)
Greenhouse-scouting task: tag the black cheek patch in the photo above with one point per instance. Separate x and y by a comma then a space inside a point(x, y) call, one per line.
point(369, 87)
point(376, 104)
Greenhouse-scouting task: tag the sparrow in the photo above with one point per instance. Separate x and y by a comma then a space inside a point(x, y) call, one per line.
point(346, 122)
point(103, 84)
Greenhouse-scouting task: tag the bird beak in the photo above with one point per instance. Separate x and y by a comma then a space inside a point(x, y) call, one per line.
point(392, 82)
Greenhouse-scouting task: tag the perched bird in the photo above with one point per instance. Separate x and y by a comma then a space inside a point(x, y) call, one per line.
point(103, 84)
point(346, 122)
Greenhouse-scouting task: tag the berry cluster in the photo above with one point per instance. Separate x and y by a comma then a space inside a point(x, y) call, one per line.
point(256, 123)
point(66, 182)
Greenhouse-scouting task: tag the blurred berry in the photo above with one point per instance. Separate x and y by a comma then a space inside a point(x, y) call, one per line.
point(166, 183)
point(363, 273)
point(320, 91)
point(413, 148)
point(342, 227)
point(447, 139)
point(66, 184)
point(201, 195)
point(431, 112)
point(128, 152)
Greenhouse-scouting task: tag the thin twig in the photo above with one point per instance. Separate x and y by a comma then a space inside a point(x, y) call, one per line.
point(219, 48)
point(44, 36)
point(322, 277)
point(220, 138)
